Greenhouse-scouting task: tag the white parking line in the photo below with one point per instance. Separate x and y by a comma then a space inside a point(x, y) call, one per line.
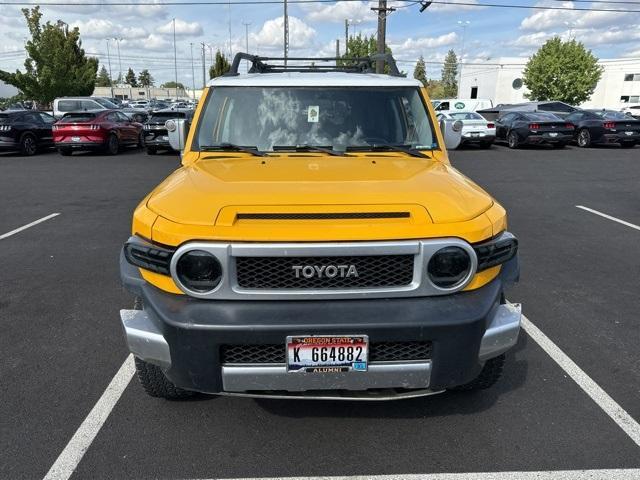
point(596, 212)
point(28, 225)
point(618, 474)
point(70, 457)
point(591, 388)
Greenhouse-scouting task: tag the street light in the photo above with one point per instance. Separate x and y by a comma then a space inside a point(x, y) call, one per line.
point(109, 61)
point(463, 24)
point(118, 40)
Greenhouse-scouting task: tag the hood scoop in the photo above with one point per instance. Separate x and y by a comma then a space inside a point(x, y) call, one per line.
point(322, 216)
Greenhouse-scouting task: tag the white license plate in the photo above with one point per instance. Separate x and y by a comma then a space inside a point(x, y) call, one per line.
point(164, 138)
point(328, 353)
point(628, 133)
point(475, 134)
point(75, 139)
point(553, 134)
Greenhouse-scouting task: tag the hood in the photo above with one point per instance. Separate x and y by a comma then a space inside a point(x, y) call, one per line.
point(197, 194)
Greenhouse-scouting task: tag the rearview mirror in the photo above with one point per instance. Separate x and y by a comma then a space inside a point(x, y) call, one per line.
point(452, 132)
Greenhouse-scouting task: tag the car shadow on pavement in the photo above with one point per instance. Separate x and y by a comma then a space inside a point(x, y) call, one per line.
point(440, 405)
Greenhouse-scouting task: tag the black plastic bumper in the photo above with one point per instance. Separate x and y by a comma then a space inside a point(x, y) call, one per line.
point(195, 329)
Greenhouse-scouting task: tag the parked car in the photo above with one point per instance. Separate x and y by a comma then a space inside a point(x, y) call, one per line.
point(327, 251)
point(25, 131)
point(475, 129)
point(156, 136)
point(466, 104)
point(108, 131)
point(601, 127)
point(533, 128)
point(633, 111)
point(65, 105)
point(136, 114)
point(559, 109)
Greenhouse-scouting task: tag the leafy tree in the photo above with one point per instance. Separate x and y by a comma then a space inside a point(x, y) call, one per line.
point(220, 67)
point(359, 46)
point(130, 78)
point(56, 64)
point(145, 79)
point(420, 72)
point(103, 80)
point(564, 71)
point(435, 88)
point(172, 85)
point(8, 101)
point(449, 74)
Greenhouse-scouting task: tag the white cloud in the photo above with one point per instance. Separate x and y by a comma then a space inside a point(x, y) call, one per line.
point(182, 28)
point(271, 34)
point(545, 20)
point(102, 28)
point(339, 11)
point(156, 42)
point(451, 6)
point(148, 10)
point(413, 47)
point(532, 40)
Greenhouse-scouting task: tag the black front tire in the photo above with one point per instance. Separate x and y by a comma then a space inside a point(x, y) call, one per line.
point(512, 140)
point(28, 145)
point(490, 374)
point(141, 140)
point(112, 146)
point(156, 384)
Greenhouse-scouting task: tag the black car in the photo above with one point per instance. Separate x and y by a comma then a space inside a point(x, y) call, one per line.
point(156, 136)
point(25, 131)
point(559, 109)
point(602, 127)
point(533, 128)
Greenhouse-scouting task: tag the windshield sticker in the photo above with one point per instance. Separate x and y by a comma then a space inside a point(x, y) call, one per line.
point(313, 114)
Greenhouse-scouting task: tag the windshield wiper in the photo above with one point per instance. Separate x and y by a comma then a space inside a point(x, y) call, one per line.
point(232, 147)
point(310, 148)
point(389, 146)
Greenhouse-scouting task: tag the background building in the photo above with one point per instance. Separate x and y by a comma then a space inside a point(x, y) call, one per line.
point(126, 92)
point(500, 80)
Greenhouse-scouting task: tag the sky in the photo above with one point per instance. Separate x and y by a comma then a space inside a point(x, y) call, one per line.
point(146, 33)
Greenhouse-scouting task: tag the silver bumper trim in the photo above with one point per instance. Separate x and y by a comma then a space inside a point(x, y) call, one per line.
point(367, 395)
point(502, 332)
point(244, 378)
point(144, 339)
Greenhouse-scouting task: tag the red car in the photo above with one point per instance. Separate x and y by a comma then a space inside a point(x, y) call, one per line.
point(108, 131)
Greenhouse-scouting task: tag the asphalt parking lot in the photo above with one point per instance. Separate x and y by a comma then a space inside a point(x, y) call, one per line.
point(61, 342)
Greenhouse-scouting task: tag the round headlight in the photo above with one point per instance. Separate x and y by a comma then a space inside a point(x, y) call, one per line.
point(199, 271)
point(449, 266)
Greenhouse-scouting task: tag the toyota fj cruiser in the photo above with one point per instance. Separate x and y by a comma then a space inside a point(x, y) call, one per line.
point(317, 243)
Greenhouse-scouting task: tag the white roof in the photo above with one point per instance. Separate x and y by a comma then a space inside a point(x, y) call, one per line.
point(316, 79)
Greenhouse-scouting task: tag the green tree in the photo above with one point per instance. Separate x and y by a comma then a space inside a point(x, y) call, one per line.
point(145, 79)
point(359, 46)
point(103, 80)
point(564, 71)
point(220, 66)
point(450, 74)
point(172, 85)
point(420, 72)
point(435, 89)
point(130, 78)
point(56, 63)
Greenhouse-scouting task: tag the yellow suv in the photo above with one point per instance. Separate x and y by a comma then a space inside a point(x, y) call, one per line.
point(317, 243)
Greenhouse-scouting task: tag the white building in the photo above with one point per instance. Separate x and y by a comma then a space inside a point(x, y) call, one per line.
point(126, 92)
point(500, 80)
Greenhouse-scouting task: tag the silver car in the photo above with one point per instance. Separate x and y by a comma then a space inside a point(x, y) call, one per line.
point(476, 130)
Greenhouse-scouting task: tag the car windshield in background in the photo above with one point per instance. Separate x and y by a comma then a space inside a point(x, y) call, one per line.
point(335, 117)
point(466, 116)
point(611, 115)
point(105, 103)
point(78, 117)
point(161, 117)
point(541, 117)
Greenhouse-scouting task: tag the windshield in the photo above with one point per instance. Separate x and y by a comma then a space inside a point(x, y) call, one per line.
point(611, 115)
point(466, 116)
point(105, 103)
point(336, 117)
point(77, 117)
point(540, 117)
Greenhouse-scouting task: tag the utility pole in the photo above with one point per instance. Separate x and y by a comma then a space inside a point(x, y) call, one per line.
point(230, 43)
point(204, 59)
point(286, 33)
point(118, 40)
point(346, 36)
point(193, 75)
point(109, 61)
point(246, 35)
point(382, 10)
point(175, 57)
point(337, 50)
point(464, 26)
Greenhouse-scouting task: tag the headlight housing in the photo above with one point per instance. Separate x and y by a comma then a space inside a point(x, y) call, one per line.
point(199, 271)
point(497, 251)
point(449, 267)
point(148, 256)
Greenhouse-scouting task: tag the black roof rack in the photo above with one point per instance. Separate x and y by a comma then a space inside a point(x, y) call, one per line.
point(310, 64)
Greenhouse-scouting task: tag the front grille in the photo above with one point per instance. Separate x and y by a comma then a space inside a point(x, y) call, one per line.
point(322, 216)
point(275, 353)
point(288, 273)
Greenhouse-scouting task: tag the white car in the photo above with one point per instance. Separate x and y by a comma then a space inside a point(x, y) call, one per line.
point(476, 130)
point(634, 111)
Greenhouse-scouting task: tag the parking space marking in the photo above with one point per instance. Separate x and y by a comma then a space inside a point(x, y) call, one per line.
point(596, 212)
point(615, 474)
point(28, 225)
point(591, 388)
point(70, 457)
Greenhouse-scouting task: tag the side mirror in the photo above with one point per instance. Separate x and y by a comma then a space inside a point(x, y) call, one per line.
point(452, 132)
point(177, 128)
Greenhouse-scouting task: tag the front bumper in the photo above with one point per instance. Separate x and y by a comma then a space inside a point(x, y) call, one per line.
point(185, 335)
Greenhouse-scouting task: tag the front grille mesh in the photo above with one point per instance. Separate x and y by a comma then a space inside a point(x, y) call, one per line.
point(375, 271)
point(275, 353)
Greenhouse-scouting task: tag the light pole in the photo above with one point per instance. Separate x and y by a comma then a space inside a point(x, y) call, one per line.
point(175, 57)
point(109, 61)
point(193, 75)
point(463, 24)
point(286, 33)
point(118, 40)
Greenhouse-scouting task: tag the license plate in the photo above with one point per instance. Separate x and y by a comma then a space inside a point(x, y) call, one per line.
point(75, 139)
point(327, 354)
point(165, 138)
point(475, 134)
point(628, 133)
